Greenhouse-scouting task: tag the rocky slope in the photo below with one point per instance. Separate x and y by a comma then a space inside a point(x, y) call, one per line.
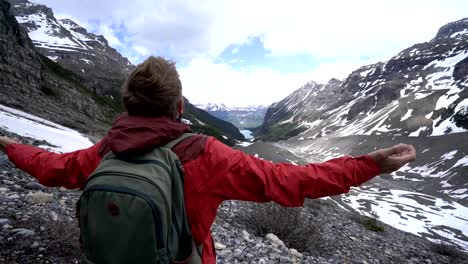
point(34, 83)
point(419, 91)
point(205, 123)
point(37, 225)
point(89, 56)
point(420, 97)
point(241, 117)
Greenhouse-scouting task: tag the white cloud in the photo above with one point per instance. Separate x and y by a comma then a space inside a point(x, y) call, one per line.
point(330, 29)
point(204, 81)
point(340, 31)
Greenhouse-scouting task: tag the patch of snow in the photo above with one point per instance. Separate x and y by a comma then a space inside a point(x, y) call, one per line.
point(54, 58)
point(462, 162)
point(417, 132)
point(407, 115)
point(286, 121)
point(450, 155)
point(64, 139)
point(245, 144)
point(402, 210)
point(186, 121)
point(446, 126)
point(87, 61)
point(418, 96)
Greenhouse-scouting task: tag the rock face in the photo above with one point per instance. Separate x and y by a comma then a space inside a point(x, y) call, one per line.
point(32, 82)
point(61, 92)
point(419, 97)
point(89, 56)
point(202, 122)
point(420, 91)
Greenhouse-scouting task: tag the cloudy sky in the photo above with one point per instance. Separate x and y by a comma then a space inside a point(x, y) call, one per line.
point(244, 52)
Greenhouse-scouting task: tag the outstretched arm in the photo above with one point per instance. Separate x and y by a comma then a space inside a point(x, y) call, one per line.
point(236, 175)
point(51, 169)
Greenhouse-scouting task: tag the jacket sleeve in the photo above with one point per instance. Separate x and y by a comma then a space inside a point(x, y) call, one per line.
point(236, 175)
point(51, 169)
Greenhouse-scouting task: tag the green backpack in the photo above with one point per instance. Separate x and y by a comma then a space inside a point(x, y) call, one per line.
point(132, 210)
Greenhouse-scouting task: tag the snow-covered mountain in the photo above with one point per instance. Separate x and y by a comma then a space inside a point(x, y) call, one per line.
point(242, 117)
point(62, 40)
point(59, 92)
point(419, 97)
point(419, 91)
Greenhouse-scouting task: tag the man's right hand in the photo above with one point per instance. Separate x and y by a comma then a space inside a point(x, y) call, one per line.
point(5, 141)
point(393, 158)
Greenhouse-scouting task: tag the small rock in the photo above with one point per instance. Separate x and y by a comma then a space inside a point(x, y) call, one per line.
point(275, 240)
point(35, 244)
point(53, 216)
point(7, 226)
point(225, 252)
point(295, 253)
point(17, 187)
point(42, 228)
point(23, 232)
point(4, 221)
point(34, 186)
point(40, 197)
point(246, 236)
point(13, 197)
point(219, 246)
point(41, 249)
point(428, 261)
point(3, 190)
point(8, 182)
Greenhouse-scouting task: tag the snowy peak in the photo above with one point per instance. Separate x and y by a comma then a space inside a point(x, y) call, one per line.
point(69, 44)
point(421, 91)
point(48, 32)
point(454, 29)
point(242, 117)
point(212, 107)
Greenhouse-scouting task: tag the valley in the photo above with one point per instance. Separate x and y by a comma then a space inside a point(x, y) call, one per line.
point(60, 90)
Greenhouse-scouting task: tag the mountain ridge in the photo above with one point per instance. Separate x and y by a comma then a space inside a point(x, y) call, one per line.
point(430, 76)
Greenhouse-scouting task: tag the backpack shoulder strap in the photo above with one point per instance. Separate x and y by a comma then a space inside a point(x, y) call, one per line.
point(176, 141)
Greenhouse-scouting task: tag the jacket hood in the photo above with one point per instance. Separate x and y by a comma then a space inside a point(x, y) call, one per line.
point(138, 134)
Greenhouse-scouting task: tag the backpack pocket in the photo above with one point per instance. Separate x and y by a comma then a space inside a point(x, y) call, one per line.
point(121, 225)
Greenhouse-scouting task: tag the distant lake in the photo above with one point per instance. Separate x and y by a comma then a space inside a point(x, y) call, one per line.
point(247, 133)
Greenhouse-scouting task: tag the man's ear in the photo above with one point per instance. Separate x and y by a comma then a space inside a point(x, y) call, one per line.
point(180, 106)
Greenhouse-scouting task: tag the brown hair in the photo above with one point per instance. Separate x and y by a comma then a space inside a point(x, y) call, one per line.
point(153, 88)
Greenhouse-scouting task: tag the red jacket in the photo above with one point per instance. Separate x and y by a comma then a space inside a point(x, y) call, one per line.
point(214, 172)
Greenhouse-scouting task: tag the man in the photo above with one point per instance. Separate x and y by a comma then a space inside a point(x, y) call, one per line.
point(152, 96)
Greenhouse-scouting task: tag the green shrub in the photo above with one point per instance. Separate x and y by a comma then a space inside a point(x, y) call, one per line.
point(288, 224)
point(371, 223)
point(449, 250)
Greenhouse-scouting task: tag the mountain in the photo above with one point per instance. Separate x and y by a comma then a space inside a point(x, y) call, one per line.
point(300, 110)
point(419, 91)
point(32, 82)
point(199, 118)
point(89, 56)
point(418, 97)
point(70, 76)
point(241, 117)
